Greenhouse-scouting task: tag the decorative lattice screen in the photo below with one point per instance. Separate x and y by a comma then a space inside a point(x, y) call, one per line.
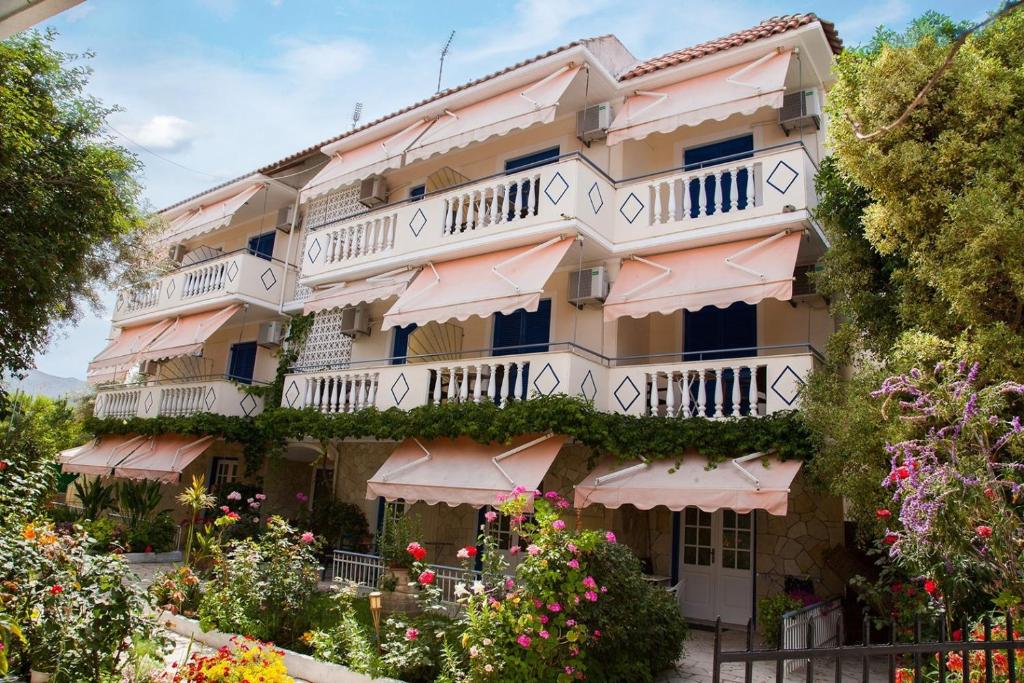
point(335, 206)
point(326, 347)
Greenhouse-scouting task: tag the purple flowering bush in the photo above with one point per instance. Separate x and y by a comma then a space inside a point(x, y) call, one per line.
point(956, 484)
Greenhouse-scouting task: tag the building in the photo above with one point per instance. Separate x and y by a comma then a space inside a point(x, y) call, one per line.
point(634, 233)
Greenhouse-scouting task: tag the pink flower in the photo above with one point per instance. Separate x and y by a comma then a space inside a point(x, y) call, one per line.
point(609, 536)
point(509, 584)
point(554, 607)
point(589, 582)
point(562, 504)
point(573, 563)
point(551, 495)
point(427, 577)
point(491, 516)
point(411, 634)
point(558, 525)
point(544, 634)
point(604, 589)
point(307, 537)
point(537, 603)
point(590, 595)
point(571, 547)
point(255, 520)
point(533, 549)
point(519, 519)
point(543, 618)
point(260, 496)
point(501, 497)
point(570, 622)
point(984, 531)
point(225, 509)
point(462, 554)
point(234, 495)
point(524, 640)
point(517, 490)
point(301, 497)
point(597, 633)
point(569, 670)
point(514, 550)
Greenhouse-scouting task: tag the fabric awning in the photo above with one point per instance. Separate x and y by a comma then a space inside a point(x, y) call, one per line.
point(187, 334)
point(739, 89)
point(755, 482)
point(210, 217)
point(715, 275)
point(123, 352)
point(99, 456)
point(515, 109)
point(163, 458)
point(359, 291)
point(348, 166)
point(498, 282)
point(457, 471)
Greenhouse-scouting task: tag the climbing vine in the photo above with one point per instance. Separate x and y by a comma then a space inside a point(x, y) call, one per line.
point(625, 436)
point(298, 330)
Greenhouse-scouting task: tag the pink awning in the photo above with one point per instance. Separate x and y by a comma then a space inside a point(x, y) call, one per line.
point(756, 482)
point(515, 109)
point(123, 352)
point(498, 282)
point(350, 165)
point(198, 221)
point(357, 292)
point(715, 96)
point(187, 334)
point(462, 471)
point(99, 456)
point(716, 275)
point(163, 458)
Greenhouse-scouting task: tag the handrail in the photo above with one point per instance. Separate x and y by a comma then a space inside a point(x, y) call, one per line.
point(813, 606)
point(169, 381)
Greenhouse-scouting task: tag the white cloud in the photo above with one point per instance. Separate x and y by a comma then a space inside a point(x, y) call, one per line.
point(163, 133)
point(325, 61)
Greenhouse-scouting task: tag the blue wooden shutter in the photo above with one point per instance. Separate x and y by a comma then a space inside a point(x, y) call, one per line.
point(515, 331)
point(243, 362)
point(734, 191)
point(400, 344)
point(263, 245)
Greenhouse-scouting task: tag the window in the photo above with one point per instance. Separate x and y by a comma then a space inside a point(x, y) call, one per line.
point(523, 332)
point(734, 190)
point(416, 192)
point(400, 344)
point(242, 362)
point(389, 512)
point(224, 471)
point(712, 333)
point(263, 245)
point(541, 158)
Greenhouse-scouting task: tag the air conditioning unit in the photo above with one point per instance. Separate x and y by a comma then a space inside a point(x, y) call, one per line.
point(803, 282)
point(148, 367)
point(355, 320)
point(588, 286)
point(270, 335)
point(800, 110)
point(593, 122)
point(284, 218)
point(176, 253)
point(373, 191)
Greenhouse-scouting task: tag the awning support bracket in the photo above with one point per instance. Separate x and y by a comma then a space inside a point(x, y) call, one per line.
point(517, 257)
point(204, 439)
point(518, 449)
point(659, 97)
point(731, 260)
point(409, 465)
point(541, 82)
point(735, 79)
point(611, 476)
point(417, 295)
point(739, 462)
point(665, 272)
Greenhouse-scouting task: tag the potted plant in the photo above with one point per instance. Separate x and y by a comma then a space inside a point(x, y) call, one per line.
point(398, 545)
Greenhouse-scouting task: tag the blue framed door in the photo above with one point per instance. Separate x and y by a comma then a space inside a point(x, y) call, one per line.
point(734, 190)
point(263, 245)
point(523, 332)
point(714, 333)
point(242, 362)
point(541, 158)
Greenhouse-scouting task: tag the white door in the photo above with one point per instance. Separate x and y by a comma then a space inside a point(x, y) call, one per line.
point(716, 565)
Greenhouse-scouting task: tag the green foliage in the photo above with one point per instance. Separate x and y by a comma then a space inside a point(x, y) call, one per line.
point(350, 639)
point(67, 196)
point(770, 610)
point(298, 330)
point(623, 435)
point(642, 630)
point(339, 524)
point(94, 497)
point(137, 501)
point(399, 532)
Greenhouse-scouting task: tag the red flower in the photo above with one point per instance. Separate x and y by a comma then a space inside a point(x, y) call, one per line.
point(930, 587)
point(56, 588)
point(891, 538)
point(427, 577)
point(882, 513)
point(417, 551)
point(3, 465)
point(901, 472)
point(984, 531)
point(470, 550)
point(148, 549)
point(957, 635)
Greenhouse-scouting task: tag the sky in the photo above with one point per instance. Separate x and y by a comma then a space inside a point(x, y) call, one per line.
point(211, 89)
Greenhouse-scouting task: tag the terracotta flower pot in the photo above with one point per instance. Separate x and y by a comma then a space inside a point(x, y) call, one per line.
point(39, 676)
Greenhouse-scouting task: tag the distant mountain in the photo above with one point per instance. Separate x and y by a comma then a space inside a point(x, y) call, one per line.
point(38, 383)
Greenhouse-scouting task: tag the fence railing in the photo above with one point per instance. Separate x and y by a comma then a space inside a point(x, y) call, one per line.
point(365, 570)
point(987, 653)
point(824, 618)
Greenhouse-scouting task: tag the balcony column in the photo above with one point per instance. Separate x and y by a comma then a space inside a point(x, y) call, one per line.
point(652, 398)
point(453, 383)
point(752, 396)
point(519, 395)
point(476, 383)
point(702, 392)
point(719, 376)
point(750, 186)
point(672, 200)
point(492, 383)
point(670, 394)
point(437, 385)
point(736, 402)
point(374, 379)
point(464, 386)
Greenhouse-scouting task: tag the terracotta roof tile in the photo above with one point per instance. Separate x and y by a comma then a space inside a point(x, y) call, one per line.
point(766, 28)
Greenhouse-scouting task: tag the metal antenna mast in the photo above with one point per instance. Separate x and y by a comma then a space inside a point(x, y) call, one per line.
point(357, 113)
point(444, 53)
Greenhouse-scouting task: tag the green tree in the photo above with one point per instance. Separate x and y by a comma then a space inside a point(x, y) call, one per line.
point(69, 218)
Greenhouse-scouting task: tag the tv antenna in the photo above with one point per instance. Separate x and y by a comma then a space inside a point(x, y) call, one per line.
point(357, 113)
point(444, 53)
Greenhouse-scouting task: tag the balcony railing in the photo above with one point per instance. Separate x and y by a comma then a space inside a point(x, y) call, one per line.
point(177, 398)
point(759, 382)
point(236, 276)
point(769, 183)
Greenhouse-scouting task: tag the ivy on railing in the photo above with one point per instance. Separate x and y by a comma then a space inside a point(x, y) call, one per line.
point(625, 436)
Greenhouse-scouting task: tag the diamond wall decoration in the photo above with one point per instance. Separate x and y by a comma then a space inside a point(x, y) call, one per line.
point(416, 223)
point(399, 389)
point(211, 398)
point(547, 381)
point(268, 279)
point(788, 385)
point(588, 387)
point(631, 208)
point(232, 271)
point(148, 403)
point(626, 394)
point(782, 177)
point(556, 188)
point(248, 404)
point(170, 288)
point(291, 394)
point(596, 200)
point(313, 253)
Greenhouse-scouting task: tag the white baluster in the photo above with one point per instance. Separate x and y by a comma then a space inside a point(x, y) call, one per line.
point(750, 186)
point(508, 384)
point(351, 394)
point(702, 393)
point(437, 385)
point(332, 398)
point(735, 391)
point(535, 193)
point(752, 396)
point(519, 380)
point(373, 389)
point(652, 397)
point(446, 213)
point(458, 215)
point(503, 207)
point(492, 211)
point(453, 383)
point(318, 393)
point(492, 382)
point(719, 380)
point(670, 395)
point(464, 387)
point(476, 382)
point(719, 194)
point(656, 205)
point(307, 399)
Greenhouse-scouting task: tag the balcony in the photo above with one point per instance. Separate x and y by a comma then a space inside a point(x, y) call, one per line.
point(238, 277)
point(572, 194)
point(767, 381)
point(217, 395)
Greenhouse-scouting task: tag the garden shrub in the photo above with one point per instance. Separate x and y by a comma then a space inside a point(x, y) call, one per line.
point(341, 525)
point(769, 615)
point(177, 590)
point(642, 630)
point(349, 641)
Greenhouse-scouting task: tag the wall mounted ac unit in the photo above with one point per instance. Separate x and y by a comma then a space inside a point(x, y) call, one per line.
point(270, 335)
point(284, 218)
point(803, 283)
point(176, 253)
point(355, 320)
point(588, 286)
point(800, 110)
point(593, 122)
point(148, 367)
point(373, 191)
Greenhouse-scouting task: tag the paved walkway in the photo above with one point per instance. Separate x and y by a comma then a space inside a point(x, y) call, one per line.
point(695, 664)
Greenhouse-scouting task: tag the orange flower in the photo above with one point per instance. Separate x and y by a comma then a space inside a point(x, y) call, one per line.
point(29, 533)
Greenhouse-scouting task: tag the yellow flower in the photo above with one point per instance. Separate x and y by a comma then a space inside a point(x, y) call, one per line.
point(47, 539)
point(29, 532)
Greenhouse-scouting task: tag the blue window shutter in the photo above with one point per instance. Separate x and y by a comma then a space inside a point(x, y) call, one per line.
point(242, 362)
point(513, 332)
point(263, 245)
point(734, 190)
point(400, 344)
point(710, 332)
point(540, 158)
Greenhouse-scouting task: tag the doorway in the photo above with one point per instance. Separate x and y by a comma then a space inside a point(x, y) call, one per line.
point(717, 565)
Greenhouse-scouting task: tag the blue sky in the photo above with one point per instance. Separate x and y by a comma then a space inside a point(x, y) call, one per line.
point(211, 89)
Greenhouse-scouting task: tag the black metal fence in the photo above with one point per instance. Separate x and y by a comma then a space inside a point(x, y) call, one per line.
point(985, 653)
